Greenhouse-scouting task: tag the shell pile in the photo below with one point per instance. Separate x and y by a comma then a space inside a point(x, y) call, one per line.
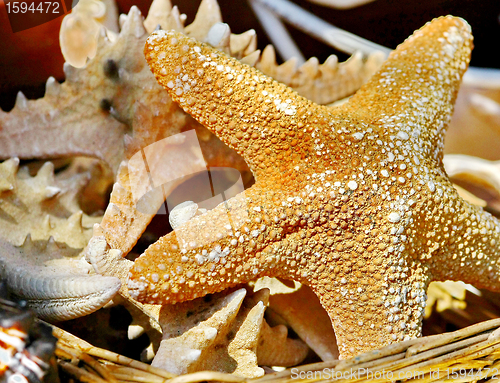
point(66, 263)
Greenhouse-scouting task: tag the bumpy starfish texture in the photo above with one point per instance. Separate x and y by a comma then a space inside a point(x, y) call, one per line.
point(353, 200)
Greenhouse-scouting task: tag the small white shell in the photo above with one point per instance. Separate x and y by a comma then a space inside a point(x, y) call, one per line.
point(183, 213)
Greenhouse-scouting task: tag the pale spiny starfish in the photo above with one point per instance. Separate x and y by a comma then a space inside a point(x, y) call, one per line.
point(42, 233)
point(353, 201)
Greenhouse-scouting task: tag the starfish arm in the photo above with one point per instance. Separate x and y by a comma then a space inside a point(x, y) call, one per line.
point(463, 237)
point(261, 119)
point(236, 242)
point(372, 309)
point(54, 289)
point(353, 254)
point(51, 127)
point(413, 93)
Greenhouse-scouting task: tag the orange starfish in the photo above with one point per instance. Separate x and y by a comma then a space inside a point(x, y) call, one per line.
point(353, 201)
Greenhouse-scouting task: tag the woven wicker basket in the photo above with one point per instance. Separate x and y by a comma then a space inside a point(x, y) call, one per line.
point(468, 355)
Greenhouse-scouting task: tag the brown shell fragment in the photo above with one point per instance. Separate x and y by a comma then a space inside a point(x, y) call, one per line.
point(94, 196)
point(301, 310)
point(277, 349)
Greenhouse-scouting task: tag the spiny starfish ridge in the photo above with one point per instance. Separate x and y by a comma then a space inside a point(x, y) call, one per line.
point(352, 201)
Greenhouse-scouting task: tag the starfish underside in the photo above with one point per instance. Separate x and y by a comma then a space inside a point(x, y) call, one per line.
point(54, 281)
point(353, 200)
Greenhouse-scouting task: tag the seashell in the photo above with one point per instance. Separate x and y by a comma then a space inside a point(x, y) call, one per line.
point(183, 213)
point(26, 346)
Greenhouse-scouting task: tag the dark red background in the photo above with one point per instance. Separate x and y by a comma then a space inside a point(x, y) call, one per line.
point(33, 15)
